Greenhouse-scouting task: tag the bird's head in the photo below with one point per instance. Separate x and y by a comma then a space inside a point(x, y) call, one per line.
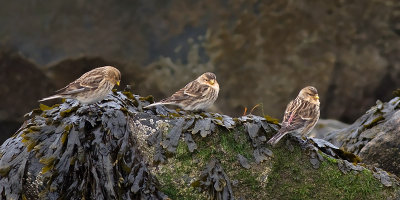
point(113, 74)
point(310, 94)
point(208, 78)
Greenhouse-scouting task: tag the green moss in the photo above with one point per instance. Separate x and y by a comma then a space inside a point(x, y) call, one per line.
point(171, 177)
point(328, 158)
point(238, 145)
point(247, 179)
point(292, 177)
point(224, 146)
point(289, 175)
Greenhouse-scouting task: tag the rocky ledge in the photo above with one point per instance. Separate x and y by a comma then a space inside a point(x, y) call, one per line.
point(117, 150)
point(374, 136)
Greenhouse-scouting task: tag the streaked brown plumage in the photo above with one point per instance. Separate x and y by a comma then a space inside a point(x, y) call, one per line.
point(91, 87)
point(300, 116)
point(196, 95)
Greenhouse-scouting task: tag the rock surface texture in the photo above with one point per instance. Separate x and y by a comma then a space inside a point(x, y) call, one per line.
point(116, 150)
point(374, 136)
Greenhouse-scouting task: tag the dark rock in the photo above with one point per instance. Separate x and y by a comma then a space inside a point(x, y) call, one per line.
point(374, 136)
point(22, 84)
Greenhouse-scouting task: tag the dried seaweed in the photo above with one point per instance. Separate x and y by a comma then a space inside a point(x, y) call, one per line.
point(171, 142)
point(190, 142)
point(204, 126)
point(74, 151)
point(159, 153)
point(214, 180)
point(243, 161)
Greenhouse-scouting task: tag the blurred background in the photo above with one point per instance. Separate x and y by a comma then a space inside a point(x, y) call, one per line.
point(261, 51)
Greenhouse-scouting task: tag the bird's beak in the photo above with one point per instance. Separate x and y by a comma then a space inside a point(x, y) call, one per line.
point(316, 96)
point(212, 82)
point(118, 83)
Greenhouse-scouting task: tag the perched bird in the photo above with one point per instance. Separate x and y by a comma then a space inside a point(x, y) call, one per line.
point(196, 95)
point(91, 87)
point(300, 116)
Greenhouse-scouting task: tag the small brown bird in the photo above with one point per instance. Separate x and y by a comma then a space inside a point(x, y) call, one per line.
point(91, 87)
point(196, 95)
point(301, 114)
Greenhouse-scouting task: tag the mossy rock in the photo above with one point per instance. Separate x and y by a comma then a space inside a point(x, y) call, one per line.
point(115, 149)
point(288, 174)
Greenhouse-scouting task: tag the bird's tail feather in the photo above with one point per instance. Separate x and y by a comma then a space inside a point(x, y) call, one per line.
point(157, 103)
point(50, 97)
point(275, 139)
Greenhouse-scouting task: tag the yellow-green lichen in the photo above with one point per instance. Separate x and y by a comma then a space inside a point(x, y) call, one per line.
point(148, 98)
point(48, 164)
point(349, 156)
point(271, 119)
point(373, 122)
point(4, 170)
point(68, 111)
point(130, 96)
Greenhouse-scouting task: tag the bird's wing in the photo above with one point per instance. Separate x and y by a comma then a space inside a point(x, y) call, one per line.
point(192, 90)
point(299, 113)
point(290, 112)
point(84, 83)
point(195, 89)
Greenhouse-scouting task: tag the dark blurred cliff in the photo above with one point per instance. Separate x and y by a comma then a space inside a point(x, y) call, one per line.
point(261, 51)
